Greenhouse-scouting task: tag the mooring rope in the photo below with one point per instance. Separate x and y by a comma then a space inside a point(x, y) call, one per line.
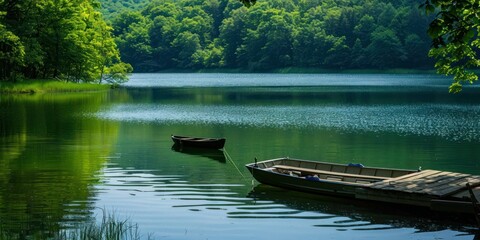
point(225, 153)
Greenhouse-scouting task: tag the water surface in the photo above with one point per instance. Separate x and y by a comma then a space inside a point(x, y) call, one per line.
point(65, 157)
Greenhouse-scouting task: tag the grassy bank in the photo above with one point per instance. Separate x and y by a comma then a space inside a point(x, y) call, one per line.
point(47, 86)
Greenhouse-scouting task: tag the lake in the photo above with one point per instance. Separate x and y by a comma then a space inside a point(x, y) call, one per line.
point(66, 157)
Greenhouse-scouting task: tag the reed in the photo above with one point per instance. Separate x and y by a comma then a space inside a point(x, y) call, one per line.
point(110, 228)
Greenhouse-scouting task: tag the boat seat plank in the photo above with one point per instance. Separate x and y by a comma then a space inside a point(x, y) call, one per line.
point(285, 167)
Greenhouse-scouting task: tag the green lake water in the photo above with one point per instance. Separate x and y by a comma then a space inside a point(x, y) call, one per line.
point(64, 158)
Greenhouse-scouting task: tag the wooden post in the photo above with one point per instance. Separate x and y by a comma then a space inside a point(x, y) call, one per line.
point(476, 205)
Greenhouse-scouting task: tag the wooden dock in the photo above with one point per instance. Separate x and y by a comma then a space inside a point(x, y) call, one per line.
point(437, 190)
point(430, 182)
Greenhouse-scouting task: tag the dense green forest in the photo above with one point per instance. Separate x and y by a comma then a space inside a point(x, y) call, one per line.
point(340, 34)
point(58, 39)
point(111, 8)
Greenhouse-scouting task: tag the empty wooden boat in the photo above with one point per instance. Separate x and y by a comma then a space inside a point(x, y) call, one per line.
point(437, 190)
point(198, 142)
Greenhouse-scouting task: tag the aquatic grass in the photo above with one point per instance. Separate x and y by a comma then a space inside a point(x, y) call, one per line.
point(45, 86)
point(110, 228)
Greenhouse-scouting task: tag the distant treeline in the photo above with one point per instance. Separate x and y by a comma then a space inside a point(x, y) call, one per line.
point(57, 39)
point(331, 34)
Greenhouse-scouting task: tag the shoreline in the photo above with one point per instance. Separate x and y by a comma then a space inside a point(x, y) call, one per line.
point(49, 86)
point(297, 70)
point(30, 86)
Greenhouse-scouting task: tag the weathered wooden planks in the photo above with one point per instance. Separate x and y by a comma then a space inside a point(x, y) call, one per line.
point(430, 182)
point(398, 182)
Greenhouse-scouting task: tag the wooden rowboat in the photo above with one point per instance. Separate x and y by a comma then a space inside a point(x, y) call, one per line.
point(197, 142)
point(437, 190)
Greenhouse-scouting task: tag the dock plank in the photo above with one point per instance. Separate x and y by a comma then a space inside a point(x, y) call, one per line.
point(430, 182)
point(431, 187)
point(403, 181)
point(473, 180)
point(453, 181)
point(440, 190)
point(440, 180)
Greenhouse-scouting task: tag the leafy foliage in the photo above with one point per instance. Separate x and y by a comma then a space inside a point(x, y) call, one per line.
point(248, 3)
point(57, 39)
point(456, 44)
point(12, 55)
point(111, 8)
point(186, 34)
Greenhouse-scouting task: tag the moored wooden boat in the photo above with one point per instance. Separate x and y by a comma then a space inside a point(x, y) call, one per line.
point(198, 142)
point(437, 190)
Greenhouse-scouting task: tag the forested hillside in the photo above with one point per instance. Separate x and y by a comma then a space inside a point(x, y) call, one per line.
point(331, 34)
point(111, 8)
point(61, 39)
point(72, 40)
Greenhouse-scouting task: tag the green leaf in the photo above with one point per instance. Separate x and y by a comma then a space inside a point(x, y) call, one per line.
point(455, 87)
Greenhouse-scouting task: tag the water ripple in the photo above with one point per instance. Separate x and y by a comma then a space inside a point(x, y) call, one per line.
point(275, 79)
point(219, 209)
point(453, 122)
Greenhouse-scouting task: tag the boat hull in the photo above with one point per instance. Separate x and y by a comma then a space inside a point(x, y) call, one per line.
point(394, 186)
point(300, 184)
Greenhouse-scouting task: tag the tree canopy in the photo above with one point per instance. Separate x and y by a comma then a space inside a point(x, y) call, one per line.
point(346, 34)
point(61, 39)
point(455, 43)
